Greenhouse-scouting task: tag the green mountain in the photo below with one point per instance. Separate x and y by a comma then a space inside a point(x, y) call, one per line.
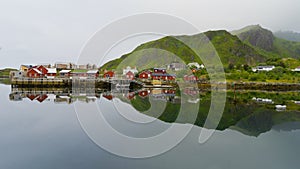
point(251, 45)
point(288, 35)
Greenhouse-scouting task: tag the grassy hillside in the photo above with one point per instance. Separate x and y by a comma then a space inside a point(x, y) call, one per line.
point(252, 45)
point(5, 72)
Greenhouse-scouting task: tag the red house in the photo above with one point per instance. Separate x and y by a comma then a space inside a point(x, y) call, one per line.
point(42, 69)
point(160, 76)
point(145, 75)
point(130, 75)
point(34, 73)
point(159, 70)
point(109, 74)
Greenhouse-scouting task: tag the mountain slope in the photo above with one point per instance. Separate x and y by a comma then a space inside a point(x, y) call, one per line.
point(267, 44)
point(229, 48)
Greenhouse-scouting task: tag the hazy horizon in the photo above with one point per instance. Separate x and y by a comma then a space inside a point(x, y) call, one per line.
point(34, 32)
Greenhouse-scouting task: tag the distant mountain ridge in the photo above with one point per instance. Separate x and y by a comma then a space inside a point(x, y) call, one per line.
point(288, 35)
point(251, 45)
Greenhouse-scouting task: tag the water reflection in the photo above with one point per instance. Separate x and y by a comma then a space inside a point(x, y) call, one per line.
point(249, 112)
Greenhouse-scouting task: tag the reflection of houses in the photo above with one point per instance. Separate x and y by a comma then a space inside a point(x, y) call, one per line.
point(280, 107)
point(263, 68)
point(42, 98)
point(193, 100)
point(109, 74)
point(190, 78)
point(130, 95)
point(15, 97)
point(176, 66)
point(191, 91)
point(108, 96)
point(261, 100)
point(144, 93)
point(163, 94)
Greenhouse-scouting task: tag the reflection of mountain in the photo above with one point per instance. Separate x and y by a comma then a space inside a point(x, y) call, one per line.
point(242, 113)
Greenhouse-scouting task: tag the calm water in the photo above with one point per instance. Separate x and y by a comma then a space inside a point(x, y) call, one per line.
point(43, 131)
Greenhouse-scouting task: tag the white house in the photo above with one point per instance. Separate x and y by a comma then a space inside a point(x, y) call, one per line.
point(296, 69)
point(263, 68)
point(129, 69)
point(196, 65)
point(176, 66)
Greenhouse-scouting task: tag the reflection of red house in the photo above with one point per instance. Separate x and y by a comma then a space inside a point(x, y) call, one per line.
point(31, 96)
point(145, 75)
point(168, 91)
point(191, 91)
point(130, 95)
point(130, 75)
point(143, 93)
point(190, 78)
point(109, 74)
point(108, 96)
point(34, 73)
point(42, 98)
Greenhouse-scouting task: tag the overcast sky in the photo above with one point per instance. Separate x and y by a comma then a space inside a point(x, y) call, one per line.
point(47, 31)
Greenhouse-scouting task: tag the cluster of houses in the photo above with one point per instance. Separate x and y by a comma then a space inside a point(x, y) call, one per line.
point(61, 70)
point(270, 68)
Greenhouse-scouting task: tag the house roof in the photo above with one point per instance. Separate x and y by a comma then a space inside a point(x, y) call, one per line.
point(92, 71)
point(37, 71)
point(51, 70)
point(65, 71)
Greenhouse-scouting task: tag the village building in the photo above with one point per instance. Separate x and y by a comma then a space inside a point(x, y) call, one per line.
point(145, 75)
point(297, 69)
point(129, 69)
point(65, 73)
point(61, 66)
point(263, 68)
point(25, 68)
point(129, 75)
point(79, 73)
point(196, 65)
point(109, 74)
point(34, 73)
point(51, 73)
point(93, 73)
point(176, 66)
